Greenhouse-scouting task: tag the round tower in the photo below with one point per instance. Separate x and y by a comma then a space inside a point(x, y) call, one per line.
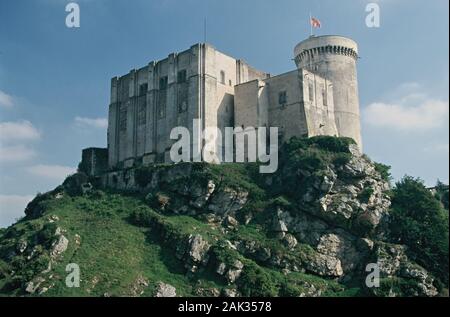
point(334, 58)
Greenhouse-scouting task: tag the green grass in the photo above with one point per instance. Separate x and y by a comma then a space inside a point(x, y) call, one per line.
point(125, 236)
point(114, 252)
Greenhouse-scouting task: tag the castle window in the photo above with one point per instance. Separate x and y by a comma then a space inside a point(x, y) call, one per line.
point(163, 82)
point(182, 76)
point(143, 89)
point(324, 97)
point(182, 107)
point(123, 118)
point(230, 83)
point(222, 77)
point(142, 118)
point(161, 111)
point(311, 91)
point(161, 106)
point(282, 97)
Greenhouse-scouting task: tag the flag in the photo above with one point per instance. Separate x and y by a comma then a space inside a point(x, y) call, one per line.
point(315, 23)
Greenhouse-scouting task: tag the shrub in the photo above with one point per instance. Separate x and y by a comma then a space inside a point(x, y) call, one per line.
point(142, 217)
point(342, 159)
point(255, 282)
point(384, 170)
point(282, 202)
point(365, 194)
point(419, 221)
point(289, 290)
point(47, 233)
point(332, 144)
point(442, 193)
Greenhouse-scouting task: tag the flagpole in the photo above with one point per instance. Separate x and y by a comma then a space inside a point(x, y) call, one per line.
point(310, 24)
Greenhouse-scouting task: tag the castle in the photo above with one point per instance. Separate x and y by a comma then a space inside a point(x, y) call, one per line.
point(320, 97)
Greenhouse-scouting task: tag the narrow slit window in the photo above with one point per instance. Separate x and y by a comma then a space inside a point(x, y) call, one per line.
point(282, 97)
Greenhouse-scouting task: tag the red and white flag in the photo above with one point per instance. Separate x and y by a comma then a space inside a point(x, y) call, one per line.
point(315, 23)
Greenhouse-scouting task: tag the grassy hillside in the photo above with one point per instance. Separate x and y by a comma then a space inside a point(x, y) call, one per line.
point(209, 230)
point(114, 254)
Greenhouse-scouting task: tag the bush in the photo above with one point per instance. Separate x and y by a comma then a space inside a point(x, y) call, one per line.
point(289, 290)
point(419, 221)
point(142, 217)
point(332, 144)
point(341, 159)
point(442, 193)
point(384, 170)
point(255, 282)
point(47, 233)
point(365, 194)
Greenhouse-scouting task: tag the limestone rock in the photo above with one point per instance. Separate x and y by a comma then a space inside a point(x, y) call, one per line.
point(33, 286)
point(165, 290)
point(325, 265)
point(340, 245)
point(53, 218)
point(289, 241)
point(230, 292)
point(200, 194)
point(234, 272)
point(221, 269)
point(207, 292)
point(22, 246)
point(59, 246)
point(337, 200)
point(393, 263)
point(230, 222)
point(197, 253)
point(227, 201)
point(139, 286)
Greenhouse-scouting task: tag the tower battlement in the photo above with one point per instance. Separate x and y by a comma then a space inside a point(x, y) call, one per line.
point(334, 57)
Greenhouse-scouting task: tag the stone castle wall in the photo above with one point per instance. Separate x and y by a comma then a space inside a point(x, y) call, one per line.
point(334, 58)
point(147, 103)
point(319, 98)
point(299, 103)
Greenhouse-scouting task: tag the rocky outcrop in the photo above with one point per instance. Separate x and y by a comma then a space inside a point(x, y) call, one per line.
point(324, 265)
point(230, 272)
point(352, 196)
point(196, 254)
point(59, 246)
point(308, 229)
point(393, 263)
point(165, 290)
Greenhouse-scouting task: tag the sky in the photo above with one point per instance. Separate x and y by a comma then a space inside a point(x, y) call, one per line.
point(54, 80)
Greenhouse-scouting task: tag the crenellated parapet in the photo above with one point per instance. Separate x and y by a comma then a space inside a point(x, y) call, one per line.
point(308, 54)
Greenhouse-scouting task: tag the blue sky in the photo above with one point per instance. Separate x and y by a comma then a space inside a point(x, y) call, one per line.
point(54, 81)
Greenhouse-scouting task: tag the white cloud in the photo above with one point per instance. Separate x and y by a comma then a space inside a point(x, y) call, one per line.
point(15, 153)
point(20, 130)
point(427, 115)
point(98, 123)
point(6, 100)
point(12, 207)
point(55, 172)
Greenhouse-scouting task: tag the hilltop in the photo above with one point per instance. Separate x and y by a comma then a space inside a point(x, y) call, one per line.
point(195, 229)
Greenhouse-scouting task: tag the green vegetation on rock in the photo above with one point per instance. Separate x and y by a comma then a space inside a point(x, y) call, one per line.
point(309, 229)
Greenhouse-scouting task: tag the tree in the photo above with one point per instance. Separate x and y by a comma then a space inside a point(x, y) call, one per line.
point(419, 221)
